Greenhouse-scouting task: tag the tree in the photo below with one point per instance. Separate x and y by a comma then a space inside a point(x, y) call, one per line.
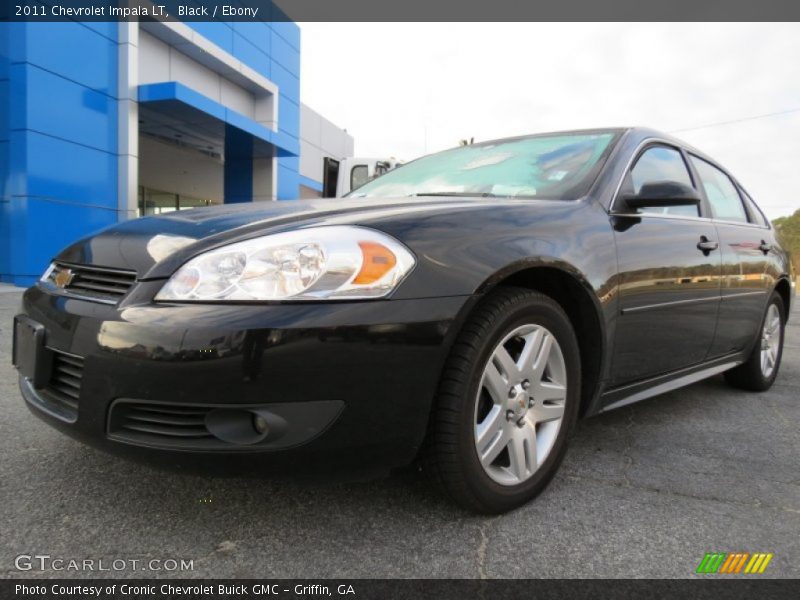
point(788, 232)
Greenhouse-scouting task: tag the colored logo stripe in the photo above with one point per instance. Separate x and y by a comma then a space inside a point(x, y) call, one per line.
point(758, 563)
point(733, 562)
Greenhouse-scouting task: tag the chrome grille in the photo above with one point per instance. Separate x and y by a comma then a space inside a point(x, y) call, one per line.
point(101, 283)
point(64, 386)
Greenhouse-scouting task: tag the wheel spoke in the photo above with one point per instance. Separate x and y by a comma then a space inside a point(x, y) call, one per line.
point(542, 356)
point(494, 383)
point(774, 325)
point(506, 365)
point(522, 451)
point(541, 413)
point(493, 447)
point(530, 351)
point(549, 390)
point(490, 427)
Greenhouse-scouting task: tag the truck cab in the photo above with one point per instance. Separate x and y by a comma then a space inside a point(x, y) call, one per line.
point(342, 176)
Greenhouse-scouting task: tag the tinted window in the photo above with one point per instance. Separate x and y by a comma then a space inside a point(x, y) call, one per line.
point(721, 192)
point(756, 216)
point(661, 163)
point(358, 176)
point(556, 166)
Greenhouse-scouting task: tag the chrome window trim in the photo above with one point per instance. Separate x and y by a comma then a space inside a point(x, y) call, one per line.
point(661, 216)
point(740, 224)
point(688, 218)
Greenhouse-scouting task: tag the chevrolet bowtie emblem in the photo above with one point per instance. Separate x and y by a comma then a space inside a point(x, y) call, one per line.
point(63, 278)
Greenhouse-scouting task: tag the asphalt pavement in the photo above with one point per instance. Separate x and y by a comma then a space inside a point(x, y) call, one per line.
point(645, 491)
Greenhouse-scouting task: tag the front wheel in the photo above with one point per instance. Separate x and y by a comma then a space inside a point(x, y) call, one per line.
point(507, 403)
point(759, 371)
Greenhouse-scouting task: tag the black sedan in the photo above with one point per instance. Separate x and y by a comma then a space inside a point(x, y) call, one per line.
point(465, 310)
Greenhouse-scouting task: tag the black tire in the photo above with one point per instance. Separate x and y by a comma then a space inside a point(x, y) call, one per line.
point(749, 375)
point(452, 456)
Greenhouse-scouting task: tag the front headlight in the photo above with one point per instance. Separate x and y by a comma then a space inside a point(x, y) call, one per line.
point(320, 263)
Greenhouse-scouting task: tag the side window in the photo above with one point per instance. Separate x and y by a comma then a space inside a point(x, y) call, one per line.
point(721, 192)
point(756, 216)
point(661, 163)
point(358, 176)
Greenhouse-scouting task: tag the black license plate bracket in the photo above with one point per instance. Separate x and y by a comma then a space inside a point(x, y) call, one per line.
point(29, 354)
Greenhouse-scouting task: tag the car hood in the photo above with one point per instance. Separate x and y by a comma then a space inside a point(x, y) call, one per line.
point(154, 247)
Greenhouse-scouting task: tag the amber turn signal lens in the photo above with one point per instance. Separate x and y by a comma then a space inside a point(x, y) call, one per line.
point(378, 260)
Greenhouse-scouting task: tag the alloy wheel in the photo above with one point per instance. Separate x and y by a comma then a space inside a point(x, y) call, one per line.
point(520, 404)
point(770, 341)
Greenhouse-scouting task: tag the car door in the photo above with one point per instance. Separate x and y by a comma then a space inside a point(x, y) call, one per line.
point(668, 275)
point(744, 238)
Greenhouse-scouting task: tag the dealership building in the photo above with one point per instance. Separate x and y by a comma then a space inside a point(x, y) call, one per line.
point(101, 122)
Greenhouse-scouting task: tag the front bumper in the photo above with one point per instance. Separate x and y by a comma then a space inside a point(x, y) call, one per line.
point(348, 385)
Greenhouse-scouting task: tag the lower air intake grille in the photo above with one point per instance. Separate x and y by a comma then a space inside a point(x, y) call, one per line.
point(64, 386)
point(160, 424)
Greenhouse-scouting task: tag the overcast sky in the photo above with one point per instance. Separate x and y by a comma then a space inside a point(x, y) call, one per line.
point(406, 89)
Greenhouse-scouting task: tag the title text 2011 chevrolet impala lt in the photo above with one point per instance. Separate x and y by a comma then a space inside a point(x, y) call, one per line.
point(469, 306)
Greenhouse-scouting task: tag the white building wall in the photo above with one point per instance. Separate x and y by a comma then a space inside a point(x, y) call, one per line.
point(170, 168)
point(320, 138)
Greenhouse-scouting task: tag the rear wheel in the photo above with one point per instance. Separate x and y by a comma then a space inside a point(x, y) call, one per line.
point(507, 403)
point(760, 370)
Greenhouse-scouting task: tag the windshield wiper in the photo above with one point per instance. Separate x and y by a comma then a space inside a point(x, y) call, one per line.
point(459, 194)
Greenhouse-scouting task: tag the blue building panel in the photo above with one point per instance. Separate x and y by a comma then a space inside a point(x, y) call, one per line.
point(108, 29)
point(289, 31)
point(288, 83)
point(4, 168)
point(80, 115)
point(5, 235)
point(256, 33)
point(288, 181)
point(73, 173)
point(5, 31)
point(4, 106)
point(62, 48)
point(310, 183)
point(251, 55)
point(219, 33)
point(286, 55)
point(188, 100)
point(40, 227)
point(289, 116)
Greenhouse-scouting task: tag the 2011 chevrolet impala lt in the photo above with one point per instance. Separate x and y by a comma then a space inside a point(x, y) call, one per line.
point(467, 308)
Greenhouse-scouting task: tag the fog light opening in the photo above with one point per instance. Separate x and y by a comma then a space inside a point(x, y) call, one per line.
point(260, 424)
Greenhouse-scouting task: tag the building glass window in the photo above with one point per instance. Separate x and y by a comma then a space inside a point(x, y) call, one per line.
point(157, 202)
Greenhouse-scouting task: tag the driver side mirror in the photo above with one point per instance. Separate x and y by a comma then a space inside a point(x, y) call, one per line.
point(660, 194)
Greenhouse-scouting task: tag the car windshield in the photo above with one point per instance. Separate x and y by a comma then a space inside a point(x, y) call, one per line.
point(556, 166)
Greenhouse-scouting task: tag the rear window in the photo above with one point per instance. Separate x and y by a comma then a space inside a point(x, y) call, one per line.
point(726, 204)
point(756, 216)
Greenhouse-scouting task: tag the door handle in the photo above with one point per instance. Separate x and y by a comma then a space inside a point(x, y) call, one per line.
point(706, 245)
point(765, 247)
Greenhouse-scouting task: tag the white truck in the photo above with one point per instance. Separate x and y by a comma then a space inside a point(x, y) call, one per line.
point(342, 176)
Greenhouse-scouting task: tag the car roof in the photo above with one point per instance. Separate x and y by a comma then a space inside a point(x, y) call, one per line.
point(639, 132)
